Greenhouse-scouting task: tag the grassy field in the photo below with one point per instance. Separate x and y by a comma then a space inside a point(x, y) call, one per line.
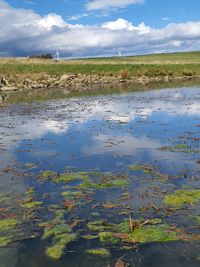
point(176, 64)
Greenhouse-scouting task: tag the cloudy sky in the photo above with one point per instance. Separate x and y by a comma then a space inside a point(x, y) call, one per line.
point(82, 28)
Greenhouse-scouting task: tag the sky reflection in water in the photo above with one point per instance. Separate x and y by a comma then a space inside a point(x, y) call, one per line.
point(104, 133)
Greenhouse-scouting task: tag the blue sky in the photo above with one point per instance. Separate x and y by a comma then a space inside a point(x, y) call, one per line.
point(139, 26)
point(155, 13)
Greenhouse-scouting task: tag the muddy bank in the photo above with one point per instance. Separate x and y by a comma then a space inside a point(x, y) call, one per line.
point(79, 82)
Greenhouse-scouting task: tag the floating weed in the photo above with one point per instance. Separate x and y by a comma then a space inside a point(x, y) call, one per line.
point(100, 225)
point(56, 251)
point(105, 184)
point(100, 252)
point(177, 148)
point(8, 224)
point(55, 230)
point(72, 176)
point(181, 197)
point(30, 191)
point(149, 169)
point(4, 241)
point(4, 200)
point(48, 174)
point(93, 180)
point(90, 237)
point(107, 237)
point(31, 205)
point(158, 233)
point(145, 168)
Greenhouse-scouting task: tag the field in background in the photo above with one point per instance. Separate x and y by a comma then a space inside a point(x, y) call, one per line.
point(174, 64)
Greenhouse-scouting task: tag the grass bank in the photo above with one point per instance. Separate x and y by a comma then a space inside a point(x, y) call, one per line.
point(176, 64)
point(91, 75)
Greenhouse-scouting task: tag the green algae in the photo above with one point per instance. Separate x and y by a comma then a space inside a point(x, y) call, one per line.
point(92, 180)
point(177, 148)
point(55, 230)
point(138, 167)
point(107, 237)
point(90, 237)
point(31, 204)
point(99, 225)
point(8, 224)
point(5, 241)
point(99, 252)
point(181, 197)
point(106, 184)
point(147, 234)
point(57, 250)
point(71, 177)
point(47, 174)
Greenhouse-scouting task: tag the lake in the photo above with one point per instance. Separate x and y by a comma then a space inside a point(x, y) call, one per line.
point(110, 180)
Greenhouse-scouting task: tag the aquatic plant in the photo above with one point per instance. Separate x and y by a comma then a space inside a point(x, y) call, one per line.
point(182, 196)
point(90, 237)
point(146, 234)
point(4, 241)
point(99, 251)
point(31, 204)
point(47, 174)
point(57, 250)
point(7, 224)
point(99, 225)
point(107, 237)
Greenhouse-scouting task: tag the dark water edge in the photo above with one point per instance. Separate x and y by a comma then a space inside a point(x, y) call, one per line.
point(105, 133)
point(39, 95)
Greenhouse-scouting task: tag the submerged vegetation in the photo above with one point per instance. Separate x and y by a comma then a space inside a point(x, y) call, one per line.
point(79, 189)
point(183, 196)
point(104, 211)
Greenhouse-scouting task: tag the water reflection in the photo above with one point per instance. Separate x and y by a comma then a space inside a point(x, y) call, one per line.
point(106, 133)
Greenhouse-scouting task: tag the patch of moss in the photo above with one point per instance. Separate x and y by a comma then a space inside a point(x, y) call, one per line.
point(100, 225)
point(31, 205)
point(90, 237)
point(48, 174)
point(7, 224)
point(182, 196)
point(108, 237)
point(105, 184)
point(56, 230)
point(4, 241)
point(72, 176)
point(4, 199)
point(146, 234)
point(100, 252)
point(138, 167)
point(56, 251)
point(176, 148)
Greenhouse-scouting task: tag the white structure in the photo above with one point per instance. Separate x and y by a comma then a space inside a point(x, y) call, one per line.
point(57, 55)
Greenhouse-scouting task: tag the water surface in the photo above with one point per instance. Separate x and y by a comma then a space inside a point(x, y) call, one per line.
point(104, 135)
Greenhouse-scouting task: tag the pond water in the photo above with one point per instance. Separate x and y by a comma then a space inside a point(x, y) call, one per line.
point(101, 181)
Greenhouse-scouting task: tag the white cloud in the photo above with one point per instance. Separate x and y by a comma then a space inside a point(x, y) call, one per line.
point(51, 20)
point(78, 16)
point(122, 24)
point(24, 32)
point(105, 4)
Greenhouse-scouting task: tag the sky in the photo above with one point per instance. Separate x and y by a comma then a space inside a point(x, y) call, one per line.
point(93, 28)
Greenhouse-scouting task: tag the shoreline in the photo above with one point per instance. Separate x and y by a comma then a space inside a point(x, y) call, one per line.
point(80, 82)
point(34, 95)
